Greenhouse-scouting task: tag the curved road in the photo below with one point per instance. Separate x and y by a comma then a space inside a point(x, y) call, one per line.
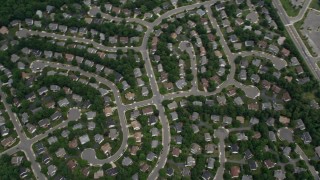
point(277, 62)
point(25, 33)
point(120, 107)
point(250, 91)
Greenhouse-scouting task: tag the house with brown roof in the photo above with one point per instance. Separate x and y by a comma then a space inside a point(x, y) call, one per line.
point(147, 111)
point(163, 77)
point(266, 84)
point(73, 144)
point(7, 142)
point(284, 120)
point(269, 163)
point(124, 40)
point(4, 30)
point(176, 152)
point(144, 167)
point(285, 52)
point(286, 97)
point(276, 89)
point(106, 149)
point(134, 150)
point(205, 83)
point(130, 96)
point(155, 41)
point(174, 35)
point(253, 106)
point(211, 37)
point(299, 70)
point(72, 164)
point(85, 171)
point(235, 171)
point(203, 51)
point(69, 57)
point(116, 10)
point(262, 44)
point(138, 136)
point(136, 125)
point(108, 111)
point(168, 85)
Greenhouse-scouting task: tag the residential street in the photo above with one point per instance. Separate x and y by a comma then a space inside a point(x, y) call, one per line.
point(120, 107)
point(25, 144)
point(221, 134)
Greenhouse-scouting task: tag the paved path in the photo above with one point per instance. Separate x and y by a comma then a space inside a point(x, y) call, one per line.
point(304, 157)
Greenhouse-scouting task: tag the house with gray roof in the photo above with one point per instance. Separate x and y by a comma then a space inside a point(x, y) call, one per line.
point(279, 174)
point(151, 156)
point(91, 125)
point(190, 161)
point(84, 139)
point(126, 161)
point(254, 121)
point(53, 26)
point(63, 102)
point(195, 128)
point(154, 144)
point(55, 116)
point(98, 138)
point(91, 115)
point(273, 49)
point(52, 169)
point(144, 91)
point(210, 163)
point(181, 83)
point(306, 137)
point(174, 116)
point(227, 120)
point(52, 140)
point(221, 100)
point(44, 123)
point(125, 85)
point(61, 152)
point(300, 124)
point(195, 148)
point(272, 136)
point(243, 75)
point(238, 101)
point(113, 134)
point(255, 78)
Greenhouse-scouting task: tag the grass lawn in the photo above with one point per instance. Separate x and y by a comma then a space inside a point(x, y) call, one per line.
point(291, 11)
point(308, 96)
point(234, 157)
point(315, 4)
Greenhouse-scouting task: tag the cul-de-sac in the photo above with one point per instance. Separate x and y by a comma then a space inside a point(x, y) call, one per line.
point(160, 89)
